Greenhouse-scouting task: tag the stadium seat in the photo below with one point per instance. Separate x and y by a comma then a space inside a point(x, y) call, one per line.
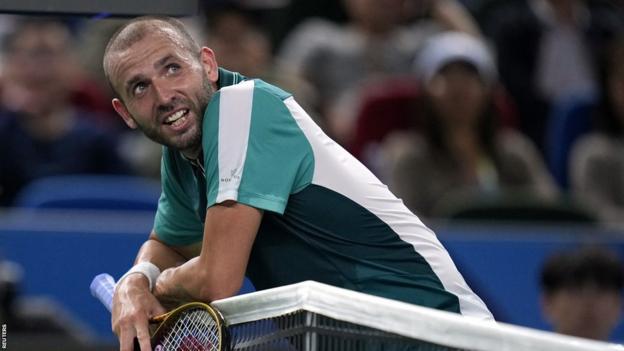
point(103, 192)
point(386, 106)
point(515, 208)
point(570, 118)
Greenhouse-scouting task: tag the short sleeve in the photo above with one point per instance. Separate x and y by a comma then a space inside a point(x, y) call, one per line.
point(177, 222)
point(255, 152)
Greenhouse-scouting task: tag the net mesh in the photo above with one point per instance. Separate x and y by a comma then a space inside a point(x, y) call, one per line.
point(193, 330)
point(310, 316)
point(304, 330)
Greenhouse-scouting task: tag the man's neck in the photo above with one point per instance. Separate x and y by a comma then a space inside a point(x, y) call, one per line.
point(192, 154)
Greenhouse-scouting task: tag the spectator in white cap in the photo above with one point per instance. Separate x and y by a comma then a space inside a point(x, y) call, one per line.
point(450, 47)
point(460, 152)
point(378, 40)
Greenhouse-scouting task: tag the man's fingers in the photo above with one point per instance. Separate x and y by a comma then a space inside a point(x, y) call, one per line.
point(158, 311)
point(126, 339)
point(143, 336)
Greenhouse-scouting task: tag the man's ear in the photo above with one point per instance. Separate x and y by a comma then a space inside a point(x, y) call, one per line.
point(122, 111)
point(209, 63)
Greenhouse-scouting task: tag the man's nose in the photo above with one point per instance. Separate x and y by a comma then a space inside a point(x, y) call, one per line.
point(163, 93)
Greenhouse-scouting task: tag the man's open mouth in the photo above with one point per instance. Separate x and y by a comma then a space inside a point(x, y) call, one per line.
point(177, 118)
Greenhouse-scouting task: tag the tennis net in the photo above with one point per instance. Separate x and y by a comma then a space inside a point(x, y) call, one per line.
point(311, 316)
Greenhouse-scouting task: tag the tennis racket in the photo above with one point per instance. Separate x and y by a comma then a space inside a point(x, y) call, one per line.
point(193, 326)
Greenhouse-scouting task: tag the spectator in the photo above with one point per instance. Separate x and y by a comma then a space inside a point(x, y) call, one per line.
point(582, 292)
point(376, 42)
point(546, 51)
point(460, 150)
point(39, 127)
point(597, 159)
point(242, 46)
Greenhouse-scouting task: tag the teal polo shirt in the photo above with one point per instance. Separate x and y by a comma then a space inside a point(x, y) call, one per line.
point(326, 217)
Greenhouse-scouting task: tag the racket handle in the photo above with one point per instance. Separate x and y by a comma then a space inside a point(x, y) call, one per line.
point(102, 287)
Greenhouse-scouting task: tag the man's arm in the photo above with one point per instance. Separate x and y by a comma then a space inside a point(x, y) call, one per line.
point(163, 255)
point(218, 272)
point(133, 303)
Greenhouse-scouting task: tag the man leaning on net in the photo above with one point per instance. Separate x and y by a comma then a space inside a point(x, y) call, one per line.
point(250, 185)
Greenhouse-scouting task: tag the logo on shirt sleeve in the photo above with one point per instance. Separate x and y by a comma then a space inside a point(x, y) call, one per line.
point(233, 176)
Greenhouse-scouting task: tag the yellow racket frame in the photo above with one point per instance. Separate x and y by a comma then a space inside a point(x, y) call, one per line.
point(164, 319)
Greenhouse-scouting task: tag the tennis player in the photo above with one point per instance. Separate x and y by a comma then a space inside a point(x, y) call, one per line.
point(251, 185)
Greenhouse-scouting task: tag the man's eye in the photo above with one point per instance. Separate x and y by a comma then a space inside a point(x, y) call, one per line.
point(139, 88)
point(173, 68)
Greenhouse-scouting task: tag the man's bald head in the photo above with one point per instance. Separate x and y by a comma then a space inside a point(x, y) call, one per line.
point(140, 27)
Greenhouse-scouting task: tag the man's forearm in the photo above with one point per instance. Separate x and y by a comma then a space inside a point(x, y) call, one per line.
point(183, 284)
point(219, 270)
point(137, 289)
point(159, 254)
point(193, 282)
point(152, 253)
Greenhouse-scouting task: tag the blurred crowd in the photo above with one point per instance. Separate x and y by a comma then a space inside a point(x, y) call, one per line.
point(456, 105)
point(481, 109)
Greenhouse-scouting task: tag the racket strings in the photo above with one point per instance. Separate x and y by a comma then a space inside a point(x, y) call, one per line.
point(194, 330)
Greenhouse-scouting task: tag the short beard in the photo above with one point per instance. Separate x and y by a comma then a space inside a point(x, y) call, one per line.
point(193, 141)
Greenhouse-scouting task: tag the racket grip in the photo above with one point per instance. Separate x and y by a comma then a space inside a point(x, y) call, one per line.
point(102, 287)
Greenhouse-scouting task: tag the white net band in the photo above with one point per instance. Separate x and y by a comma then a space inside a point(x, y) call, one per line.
point(255, 318)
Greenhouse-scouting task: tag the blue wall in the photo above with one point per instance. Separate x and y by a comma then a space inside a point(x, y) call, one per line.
point(61, 252)
point(503, 264)
point(60, 255)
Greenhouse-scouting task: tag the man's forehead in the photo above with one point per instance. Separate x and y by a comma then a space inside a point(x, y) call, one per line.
point(151, 28)
point(139, 62)
point(163, 34)
point(149, 48)
point(169, 33)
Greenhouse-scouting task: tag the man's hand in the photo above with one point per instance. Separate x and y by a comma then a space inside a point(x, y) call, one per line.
point(133, 306)
point(170, 293)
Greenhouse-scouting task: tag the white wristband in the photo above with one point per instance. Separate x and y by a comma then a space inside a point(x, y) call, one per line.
point(148, 269)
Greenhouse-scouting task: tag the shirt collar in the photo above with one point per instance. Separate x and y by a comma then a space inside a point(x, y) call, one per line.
point(227, 78)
